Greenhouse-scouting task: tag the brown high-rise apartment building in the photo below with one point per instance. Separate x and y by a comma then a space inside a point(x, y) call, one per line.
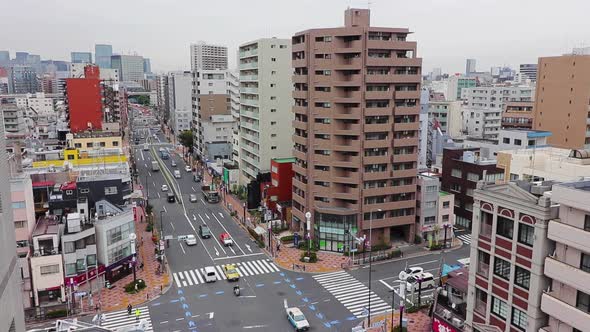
point(357, 100)
point(562, 101)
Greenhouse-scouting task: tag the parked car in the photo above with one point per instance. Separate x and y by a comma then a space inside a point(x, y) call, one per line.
point(193, 198)
point(164, 187)
point(204, 231)
point(188, 169)
point(230, 272)
point(409, 272)
point(190, 240)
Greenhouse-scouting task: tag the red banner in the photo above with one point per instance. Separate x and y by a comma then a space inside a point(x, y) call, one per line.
point(81, 278)
point(439, 325)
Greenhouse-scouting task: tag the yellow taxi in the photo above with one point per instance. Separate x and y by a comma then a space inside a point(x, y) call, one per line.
point(230, 272)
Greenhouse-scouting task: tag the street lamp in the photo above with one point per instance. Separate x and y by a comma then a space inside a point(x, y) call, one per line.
point(161, 225)
point(308, 219)
point(446, 226)
point(370, 261)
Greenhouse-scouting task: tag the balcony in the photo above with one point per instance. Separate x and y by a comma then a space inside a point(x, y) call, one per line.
point(249, 137)
point(407, 110)
point(405, 173)
point(406, 126)
point(354, 46)
point(296, 78)
point(253, 91)
point(349, 129)
point(567, 274)
point(249, 53)
point(299, 199)
point(347, 162)
point(299, 184)
point(400, 158)
point(408, 62)
point(298, 63)
point(378, 111)
point(569, 235)
point(347, 113)
point(249, 102)
point(380, 95)
point(407, 94)
point(564, 312)
point(300, 94)
point(248, 78)
point(299, 125)
point(353, 97)
point(368, 176)
point(249, 114)
point(351, 194)
point(387, 222)
point(249, 148)
point(249, 65)
point(251, 126)
point(381, 62)
point(399, 142)
point(299, 140)
point(401, 78)
point(299, 169)
point(376, 143)
point(371, 160)
point(299, 154)
point(350, 146)
point(346, 80)
point(377, 127)
point(347, 64)
point(352, 178)
point(300, 109)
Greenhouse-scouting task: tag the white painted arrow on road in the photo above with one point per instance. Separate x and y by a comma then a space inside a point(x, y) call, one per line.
point(248, 247)
point(221, 214)
point(232, 249)
point(216, 252)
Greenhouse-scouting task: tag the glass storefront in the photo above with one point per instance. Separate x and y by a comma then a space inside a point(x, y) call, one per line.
point(335, 232)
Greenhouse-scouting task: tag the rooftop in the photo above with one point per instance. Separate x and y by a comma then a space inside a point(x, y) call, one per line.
point(458, 279)
point(284, 160)
point(46, 226)
point(580, 185)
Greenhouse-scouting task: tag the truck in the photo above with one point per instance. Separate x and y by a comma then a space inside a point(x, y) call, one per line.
point(210, 195)
point(155, 166)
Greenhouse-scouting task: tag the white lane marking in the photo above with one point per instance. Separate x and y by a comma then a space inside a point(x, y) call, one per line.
point(145, 165)
point(225, 229)
point(232, 249)
point(194, 277)
point(142, 158)
point(193, 188)
point(158, 195)
point(254, 326)
point(248, 247)
point(206, 215)
point(188, 278)
point(181, 247)
point(274, 266)
point(171, 224)
point(211, 315)
point(154, 183)
point(220, 272)
point(165, 209)
point(239, 272)
point(216, 251)
point(150, 174)
point(221, 214)
point(182, 279)
point(261, 267)
point(176, 280)
point(386, 284)
point(203, 220)
point(199, 276)
point(202, 201)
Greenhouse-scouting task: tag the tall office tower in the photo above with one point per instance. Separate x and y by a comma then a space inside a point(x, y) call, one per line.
point(147, 66)
point(11, 305)
point(22, 79)
point(21, 58)
point(130, 67)
point(528, 71)
point(357, 102)
point(470, 66)
point(207, 56)
point(266, 100)
point(233, 82)
point(4, 58)
point(81, 57)
point(102, 54)
point(561, 100)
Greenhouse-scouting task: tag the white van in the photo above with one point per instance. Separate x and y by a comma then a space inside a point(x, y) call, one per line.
point(210, 275)
point(177, 174)
point(427, 282)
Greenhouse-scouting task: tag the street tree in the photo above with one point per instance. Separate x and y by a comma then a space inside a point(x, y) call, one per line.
point(185, 138)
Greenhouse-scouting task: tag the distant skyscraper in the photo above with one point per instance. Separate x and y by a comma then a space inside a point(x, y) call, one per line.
point(528, 71)
point(4, 58)
point(22, 79)
point(205, 56)
point(21, 58)
point(102, 54)
point(470, 66)
point(81, 57)
point(12, 313)
point(147, 66)
point(130, 67)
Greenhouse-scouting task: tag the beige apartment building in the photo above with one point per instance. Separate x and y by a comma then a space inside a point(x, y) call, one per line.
point(562, 100)
point(357, 91)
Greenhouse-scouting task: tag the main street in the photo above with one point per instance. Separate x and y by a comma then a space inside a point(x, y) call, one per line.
point(331, 302)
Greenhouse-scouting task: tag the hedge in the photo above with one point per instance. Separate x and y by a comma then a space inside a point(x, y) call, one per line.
point(130, 287)
point(313, 257)
point(287, 239)
point(56, 313)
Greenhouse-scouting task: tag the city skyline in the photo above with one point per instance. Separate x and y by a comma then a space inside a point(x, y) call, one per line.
point(184, 23)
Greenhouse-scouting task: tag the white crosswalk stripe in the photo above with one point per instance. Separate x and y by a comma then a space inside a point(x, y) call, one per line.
point(353, 294)
point(194, 277)
point(466, 238)
point(119, 319)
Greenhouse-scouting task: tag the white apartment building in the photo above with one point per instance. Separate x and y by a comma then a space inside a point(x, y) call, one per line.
point(37, 103)
point(233, 81)
point(508, 139)
point(109, 74)
point(217, 137)
point(482, 122)
point(180, 87)
point(448, 115)
point(567, 301)
point(208, 56)
point(456, 84)
point(266, 127)
point(496, 96)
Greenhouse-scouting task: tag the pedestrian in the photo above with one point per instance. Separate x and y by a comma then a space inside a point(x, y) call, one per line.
point(129, 309)
point(137, 313)
point(278, 248)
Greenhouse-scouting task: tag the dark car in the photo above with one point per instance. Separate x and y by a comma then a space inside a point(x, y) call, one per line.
point(204, 231)
point(171, 198)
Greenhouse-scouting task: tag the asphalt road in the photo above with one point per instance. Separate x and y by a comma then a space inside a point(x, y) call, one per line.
point(330, 302)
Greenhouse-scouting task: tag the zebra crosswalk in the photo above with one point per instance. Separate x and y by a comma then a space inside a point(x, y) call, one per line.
point(353, 294)
point(245, 269)
point(118, 319)
point(466, 238)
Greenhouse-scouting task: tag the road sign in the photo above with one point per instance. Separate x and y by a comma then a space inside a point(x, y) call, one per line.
point(171, 237)
point(80, 293)
point(354, 250)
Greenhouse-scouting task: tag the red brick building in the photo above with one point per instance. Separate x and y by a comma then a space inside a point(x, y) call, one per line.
point(85, 101)
point(278, 194)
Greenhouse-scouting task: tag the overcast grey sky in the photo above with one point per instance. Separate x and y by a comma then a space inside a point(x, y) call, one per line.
point(495, 32)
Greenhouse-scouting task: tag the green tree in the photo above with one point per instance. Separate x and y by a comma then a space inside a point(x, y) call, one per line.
point(185, 138)
point(143, 100)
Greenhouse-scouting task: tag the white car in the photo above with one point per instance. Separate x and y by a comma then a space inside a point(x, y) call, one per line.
point(188, 168)
point(164, 187)
point(190, 240)
point(177, 174)
point(193, 198)
point(297, 319)
point(410, 272)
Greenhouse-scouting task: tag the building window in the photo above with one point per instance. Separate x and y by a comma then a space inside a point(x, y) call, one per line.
point(70, 269)
point(587, 223)
point(84, 190)
point(526, 234)
point(69, 247)
point(522, 277)
point(472, 177)
point(456, 173)
point(502, 268)
point(446, 205)
point(20, 224)
point(506, 140)
point(429, 220)
point(273, 147)
point(469, 207)
point(483, 263)
point(49, 269)
point(18, 205)
point(517, 142)
point(505, 227)
point(469, 192)
point(583, 302)
point(585, 262)
point(273, 59)
point(445, 218)
point(455, 187)
point(519, 319)
point(499, 307)
point(91, 260)
point(430, 205)
point(431, 189)
point(110, 190)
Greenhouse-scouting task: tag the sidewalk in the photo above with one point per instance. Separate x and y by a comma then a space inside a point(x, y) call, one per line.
point(116, 298)
point(417, 321)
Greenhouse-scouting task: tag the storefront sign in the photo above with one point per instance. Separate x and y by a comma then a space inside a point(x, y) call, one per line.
point(439, 325)
point(81, 277)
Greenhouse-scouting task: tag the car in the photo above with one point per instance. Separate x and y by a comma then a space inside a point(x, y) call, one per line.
point(225, 239)
point(409, 272)
point(177, 174)
point(230, 272)
point(173, 163)
point(146, 147)
point(188, 169)
point(171, 198)
point(422, 280)
point(297, 319)
point(190, 240)
point(193, 198)
point(204, 231)
point(164, 187)
point(210, 274)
